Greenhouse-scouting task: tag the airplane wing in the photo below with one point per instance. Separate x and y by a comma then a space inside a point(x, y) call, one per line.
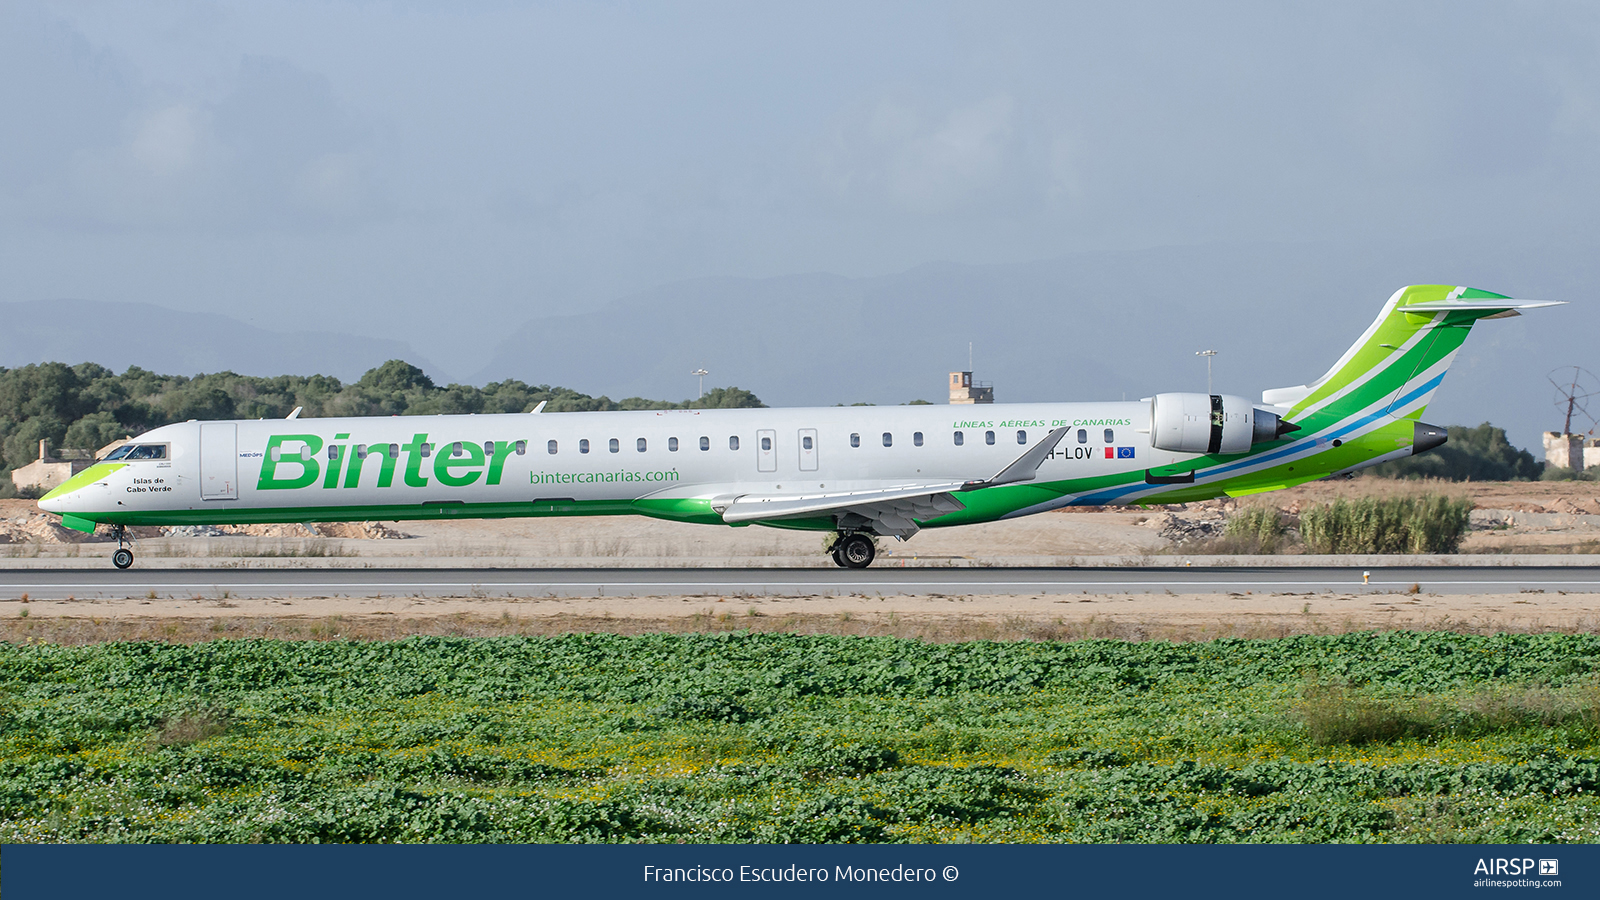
point(890, 510)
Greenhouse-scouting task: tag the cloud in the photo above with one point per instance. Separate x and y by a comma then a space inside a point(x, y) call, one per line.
point(923, 162)
point(167, 141)
point(92, 145)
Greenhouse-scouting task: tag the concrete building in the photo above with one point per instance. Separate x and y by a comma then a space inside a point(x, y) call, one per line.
point(1571, 451)
point(964, 390)
point(49, 472)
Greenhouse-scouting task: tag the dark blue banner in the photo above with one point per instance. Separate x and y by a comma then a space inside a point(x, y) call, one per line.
point(394, 872)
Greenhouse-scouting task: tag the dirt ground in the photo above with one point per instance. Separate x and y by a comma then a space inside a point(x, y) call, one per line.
point(1510, 518)
point(939, 618)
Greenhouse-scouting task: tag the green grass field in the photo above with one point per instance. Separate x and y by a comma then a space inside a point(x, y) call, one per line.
point(1393, 736)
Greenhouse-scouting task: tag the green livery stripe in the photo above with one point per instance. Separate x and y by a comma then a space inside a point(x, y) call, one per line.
point(83, 479)
point(228, 515)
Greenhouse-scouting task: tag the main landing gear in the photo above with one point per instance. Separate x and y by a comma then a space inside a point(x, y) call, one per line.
point(854, 551)
point(123, 557)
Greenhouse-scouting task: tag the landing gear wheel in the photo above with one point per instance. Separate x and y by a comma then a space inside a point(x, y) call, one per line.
point(856, 551)
point(123, 558)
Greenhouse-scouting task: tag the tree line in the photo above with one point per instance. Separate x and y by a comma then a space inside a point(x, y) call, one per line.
point(89, 406)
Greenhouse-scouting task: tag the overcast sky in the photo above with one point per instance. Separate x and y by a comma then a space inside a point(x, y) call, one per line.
point(442, 172)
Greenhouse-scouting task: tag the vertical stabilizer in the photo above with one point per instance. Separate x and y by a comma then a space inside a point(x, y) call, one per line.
point(1400, 360)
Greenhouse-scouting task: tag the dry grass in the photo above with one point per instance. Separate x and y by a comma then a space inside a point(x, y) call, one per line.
point(192, 726)
point(72, 631)
point(1335, 714)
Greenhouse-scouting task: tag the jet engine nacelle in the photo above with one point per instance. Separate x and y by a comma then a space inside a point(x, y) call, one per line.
point(1211, 423)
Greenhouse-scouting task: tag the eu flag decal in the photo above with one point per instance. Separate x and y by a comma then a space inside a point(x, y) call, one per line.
point(1124, 453)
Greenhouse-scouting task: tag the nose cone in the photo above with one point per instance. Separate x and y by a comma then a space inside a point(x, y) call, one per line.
point(61, 499)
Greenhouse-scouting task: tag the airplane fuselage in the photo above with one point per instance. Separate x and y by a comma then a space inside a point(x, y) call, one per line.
point(669, 464)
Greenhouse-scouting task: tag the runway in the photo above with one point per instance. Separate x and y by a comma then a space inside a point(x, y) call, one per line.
point(103, 583)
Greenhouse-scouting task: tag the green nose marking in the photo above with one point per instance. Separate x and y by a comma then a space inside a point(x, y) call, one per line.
point(84, 479)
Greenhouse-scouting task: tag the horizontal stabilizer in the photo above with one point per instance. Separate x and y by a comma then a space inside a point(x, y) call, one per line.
point(1452, 305)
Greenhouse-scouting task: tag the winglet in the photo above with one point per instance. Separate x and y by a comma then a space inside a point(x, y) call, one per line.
point(1025, 466)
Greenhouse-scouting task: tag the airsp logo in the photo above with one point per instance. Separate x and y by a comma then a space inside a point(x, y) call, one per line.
point(1514, 867)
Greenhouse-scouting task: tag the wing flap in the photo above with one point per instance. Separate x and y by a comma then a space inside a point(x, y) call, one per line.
point(754, 507)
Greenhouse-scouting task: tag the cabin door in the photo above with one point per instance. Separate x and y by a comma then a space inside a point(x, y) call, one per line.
point(808, 449)
point(766, 450)
point(219, 461)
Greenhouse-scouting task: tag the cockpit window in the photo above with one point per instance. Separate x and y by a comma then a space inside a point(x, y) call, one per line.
point(139, 451)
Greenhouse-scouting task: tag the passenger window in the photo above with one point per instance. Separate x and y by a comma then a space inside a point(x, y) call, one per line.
point(455, 449)
point(1083, 435)
point(488, 448)
point(960, 439)
point(394, 451)
point(888, 439)
point(583, 446)
point(305, 452)
point(1111, 436)
point(916, 438)
point(361, 451)
point(616, 446)
point(766, 443)
point(640, 444)
point(672, 445)
point(733, 442)
point(551, 447)
point(855, 440)
point(988, 437)
point(805, 442)
point(333, 451)
point(1022, 437)
point(522, 447)
point(427, 450)
point(705, 443)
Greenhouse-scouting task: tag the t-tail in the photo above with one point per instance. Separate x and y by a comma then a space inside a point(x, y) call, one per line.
point(1386, 379)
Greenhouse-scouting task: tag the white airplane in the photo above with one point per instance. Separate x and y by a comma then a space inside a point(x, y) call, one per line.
point(858, 472)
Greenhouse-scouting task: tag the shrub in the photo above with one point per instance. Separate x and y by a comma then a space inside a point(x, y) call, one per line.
point(1333, 715)
point(1562, 473)
point(1255, 529)
point(1431, 523)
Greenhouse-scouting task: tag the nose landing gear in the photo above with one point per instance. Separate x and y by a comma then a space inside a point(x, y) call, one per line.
point(123, 557)
point(854, 551)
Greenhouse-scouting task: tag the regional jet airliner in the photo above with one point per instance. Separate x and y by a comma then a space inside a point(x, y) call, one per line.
point(857, 473)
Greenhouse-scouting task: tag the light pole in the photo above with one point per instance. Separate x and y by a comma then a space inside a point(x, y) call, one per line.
point(702, 373)
point(1207, 354)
